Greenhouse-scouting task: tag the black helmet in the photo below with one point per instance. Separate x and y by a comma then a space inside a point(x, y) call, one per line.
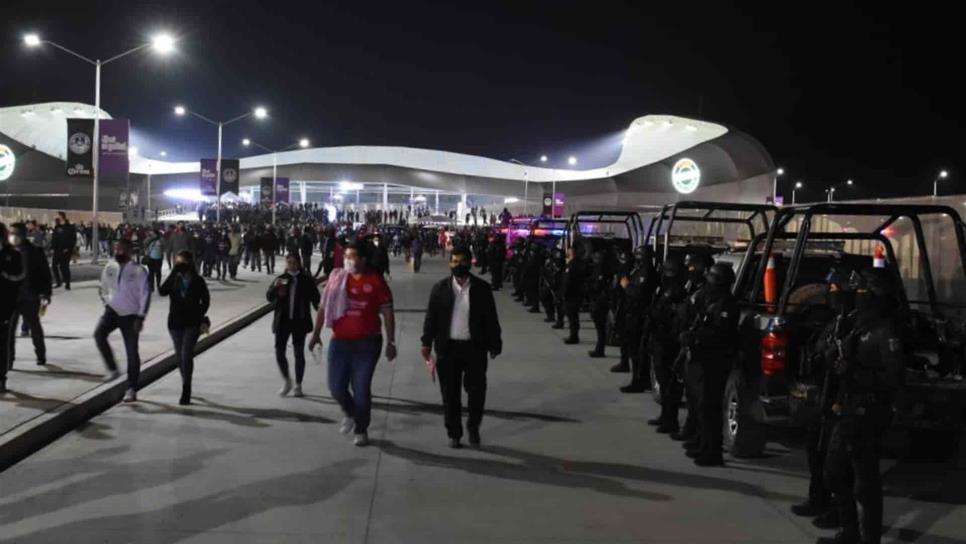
point(721, 275)
point(673, 268)
point(699, 261)
point(643, 254)
point(597, 257)
point(873, 280)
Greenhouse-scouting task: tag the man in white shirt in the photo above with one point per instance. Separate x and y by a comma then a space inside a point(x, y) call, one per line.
point(462, 324)
point(125, 291)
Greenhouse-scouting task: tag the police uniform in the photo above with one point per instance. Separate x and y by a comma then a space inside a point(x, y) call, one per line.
point(598, 286)
point(663, 345)
point(642, 283)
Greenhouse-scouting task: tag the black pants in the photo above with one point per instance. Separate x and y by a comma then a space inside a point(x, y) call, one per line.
point(547, 300)
point(185, 341)
point(269, 262)
point(852, 474)
point(693, 393)
point(61, 267)
point(7, 338)
point(496, 276)
point(233, 266)
point(281, 346)
point(711, 412)
point(29, 310)
point(154, 273)
point(256, 260)
point(599, 315)
point(631, 347)
point(307, 261)
point(818, 493)
point(109, 322)
point(417, 261)
point(572, 309)
point(462, 367)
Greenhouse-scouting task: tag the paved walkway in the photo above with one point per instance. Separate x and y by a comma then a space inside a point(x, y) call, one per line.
point(566, 459)
point(74, 366)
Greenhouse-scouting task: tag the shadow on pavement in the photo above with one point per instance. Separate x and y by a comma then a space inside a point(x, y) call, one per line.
point(246, 417)
point(413, 407)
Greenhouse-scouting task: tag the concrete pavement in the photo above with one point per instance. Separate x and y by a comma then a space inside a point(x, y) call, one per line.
point(565, 459)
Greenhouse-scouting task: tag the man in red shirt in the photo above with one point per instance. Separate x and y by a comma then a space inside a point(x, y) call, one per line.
point(354, 300)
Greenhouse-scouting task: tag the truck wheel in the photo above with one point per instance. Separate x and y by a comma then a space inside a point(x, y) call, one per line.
point(655, 384)
point(744, 435)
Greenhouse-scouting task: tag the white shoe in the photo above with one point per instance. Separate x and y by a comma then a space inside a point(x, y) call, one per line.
point(112, 375)
point(348, 424)
point(297, 391)
point(361, 440)
point(131, 396)
point(286, 387)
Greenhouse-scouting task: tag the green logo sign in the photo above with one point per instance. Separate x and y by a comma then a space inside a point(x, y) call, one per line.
point(685, 176)
point(7, 162)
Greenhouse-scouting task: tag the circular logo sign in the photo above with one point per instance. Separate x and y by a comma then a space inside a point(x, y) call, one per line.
point(547, 201)
point(79, 143)
point(7, 162)
point(231, 175)
point(685, 176)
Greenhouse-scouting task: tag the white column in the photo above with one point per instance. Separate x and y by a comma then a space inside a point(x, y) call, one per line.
point(218, 180)
point(437, 202)
point(385, 197)
point(303, 191)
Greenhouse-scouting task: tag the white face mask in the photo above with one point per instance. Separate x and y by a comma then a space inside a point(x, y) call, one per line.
point(351, 266)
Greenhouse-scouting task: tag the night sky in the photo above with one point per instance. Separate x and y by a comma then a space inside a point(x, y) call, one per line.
point(832, 92)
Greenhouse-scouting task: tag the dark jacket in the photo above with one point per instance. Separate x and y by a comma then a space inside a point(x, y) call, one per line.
point(307, 297)
point(37, 283)
point(188, 308)
point(485, 331)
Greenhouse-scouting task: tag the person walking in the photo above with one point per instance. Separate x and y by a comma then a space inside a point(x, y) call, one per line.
point(190, 300)
point(63, 242)
point(154, 251)
point(234, 250)
point(268, 242)
point(354, 300)
point(462, 325)
point(126, 296)
point(416, 250)
point(35, 291)
point(179, 241)
point(11, 276)
point(292, 293)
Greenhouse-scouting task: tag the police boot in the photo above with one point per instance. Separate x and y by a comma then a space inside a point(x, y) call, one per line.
point(596, 353)
point(841, 537)
point(810, 508)
point(827, 519)
point(621, 367)
point(637, 383)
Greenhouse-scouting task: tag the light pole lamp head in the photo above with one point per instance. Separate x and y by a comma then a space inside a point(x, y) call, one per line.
point(849, 182)
point(943, 174)
point(163, 43)
point(246, 142)
point(180, 110)
point(798, 185)
point(304, 143)
point(780, 172)
point(543, 158)
point(572, 161)
point(31, 40)
point(260, 112)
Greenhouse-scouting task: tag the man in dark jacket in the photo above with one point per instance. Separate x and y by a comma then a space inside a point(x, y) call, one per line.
point(190, 300)
point(292, 293)
point(462, 324)
point(11, 276)
point(572, 293)
point(62, 243)
point(35, 290)
point(306, 246)
point(268, 242)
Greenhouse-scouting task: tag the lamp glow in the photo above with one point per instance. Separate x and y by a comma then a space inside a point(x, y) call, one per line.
point(944, 174)
point(304, 142)
point(346, 186)
point(798, 185)
point(179, 110)
point(31, 40)
point(163, 43)
point(572, 161)
point(261, 113)
point(543, 158)
point(781, 171)
point(246, 142)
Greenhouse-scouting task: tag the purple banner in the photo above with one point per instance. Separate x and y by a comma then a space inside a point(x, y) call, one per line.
point(558, 204)
point(209, 177)
point(113, 162)
point(281, 190)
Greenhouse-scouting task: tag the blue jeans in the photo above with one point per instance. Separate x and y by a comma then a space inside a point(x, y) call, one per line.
point(353, 362)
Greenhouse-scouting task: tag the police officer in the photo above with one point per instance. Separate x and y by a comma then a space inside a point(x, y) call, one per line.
point(695, 265)
point(619, 304)
point(870, 373)
point(550, 284)
point(520, 251)
point(572, 293)
point(821, 356)
point(712, 342)
point(11, 277)
point(531, 277)
point(662, 343)
point(600, 278)
point(639, 287)
point(62, 244)
point(496, 254)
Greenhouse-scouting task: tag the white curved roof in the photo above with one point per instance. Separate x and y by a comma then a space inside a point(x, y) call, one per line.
point(648, 140)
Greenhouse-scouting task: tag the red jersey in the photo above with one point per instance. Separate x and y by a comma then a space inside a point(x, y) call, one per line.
point(364, 299)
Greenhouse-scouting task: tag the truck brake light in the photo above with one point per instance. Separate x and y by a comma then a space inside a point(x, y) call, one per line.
point(773, 352)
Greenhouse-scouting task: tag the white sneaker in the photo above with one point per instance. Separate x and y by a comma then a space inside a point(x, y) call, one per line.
point(286, 387)
point(131, 396)
point(297, 391)
point(361, 440)
point(112, 375)
point(348, 424)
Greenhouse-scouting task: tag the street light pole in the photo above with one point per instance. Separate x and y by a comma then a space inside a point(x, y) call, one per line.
point(163, 43)
point(935, 184)
point(303, 143)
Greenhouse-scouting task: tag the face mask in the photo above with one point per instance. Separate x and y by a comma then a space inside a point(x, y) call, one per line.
point(461, 270)
point(351, 266)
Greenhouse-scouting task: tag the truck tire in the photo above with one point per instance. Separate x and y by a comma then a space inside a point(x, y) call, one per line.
point(655, 384)
point(744, 434)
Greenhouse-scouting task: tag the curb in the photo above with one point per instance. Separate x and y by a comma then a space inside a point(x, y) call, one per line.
point(45, 429)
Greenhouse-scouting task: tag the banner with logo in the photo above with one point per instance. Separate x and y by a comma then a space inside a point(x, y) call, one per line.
point(265, 191)
point(80, 148)
point(113, 160)
point(558, 204)
point(8, 162)
point(229, 176)
point(547, 205)
point(282, 190)
point(209, 178)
